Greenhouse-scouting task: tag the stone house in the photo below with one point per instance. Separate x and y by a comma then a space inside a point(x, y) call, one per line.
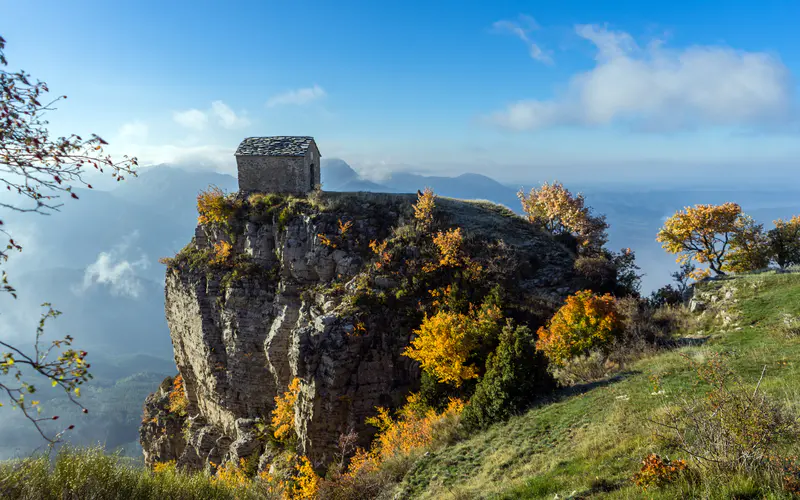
point(280, 164)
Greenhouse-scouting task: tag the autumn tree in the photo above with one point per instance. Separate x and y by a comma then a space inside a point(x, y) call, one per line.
point(703, 234)
point(41, 170)
point(586, 321)
point(445, 341)
point(784, 242)
point(283, 413)
point(553, 208)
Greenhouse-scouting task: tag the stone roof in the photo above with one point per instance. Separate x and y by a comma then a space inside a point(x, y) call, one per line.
point(280, 145)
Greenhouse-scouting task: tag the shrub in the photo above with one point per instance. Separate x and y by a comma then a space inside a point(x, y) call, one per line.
point(790, 325)
point(283, 413)
point(585, 368)
point(423, 209)
point(222, 253)
point(515, 375)
point(610, 272)
point(597, 273)
point(733, 428)
point(659, 472)
point(665, 296)
point(178, 403)
point(586, 321)
point(445, 341)
point(231, 474)
point(214, 207)
point(414, 428)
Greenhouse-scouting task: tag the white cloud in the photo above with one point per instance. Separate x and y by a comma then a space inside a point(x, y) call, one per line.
point(135, 132)
point(226, 116)
point(198, 120)
point(660, 89)
point(191, 118)
point(114, 270)
point(298, 97)
point(521, 29)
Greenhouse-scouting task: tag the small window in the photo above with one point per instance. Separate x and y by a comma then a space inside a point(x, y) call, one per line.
point(312, 173)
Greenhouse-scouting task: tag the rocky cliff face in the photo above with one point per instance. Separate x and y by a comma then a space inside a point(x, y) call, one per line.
point(300, 296)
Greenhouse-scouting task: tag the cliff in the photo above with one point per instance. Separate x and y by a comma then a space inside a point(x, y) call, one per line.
point(285, 287)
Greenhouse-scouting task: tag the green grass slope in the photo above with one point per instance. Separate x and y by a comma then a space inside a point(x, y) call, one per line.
point(589, 442)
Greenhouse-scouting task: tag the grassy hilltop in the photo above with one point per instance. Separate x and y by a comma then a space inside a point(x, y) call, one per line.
point(591, 442)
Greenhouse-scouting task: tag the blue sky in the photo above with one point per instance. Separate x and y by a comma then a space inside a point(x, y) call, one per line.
point(517, 90)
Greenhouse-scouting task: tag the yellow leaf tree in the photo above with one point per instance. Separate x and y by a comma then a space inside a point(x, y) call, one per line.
point(445, 341)
point(586, 321)
point(702, 233)
point(555, 209)
point(283, 413)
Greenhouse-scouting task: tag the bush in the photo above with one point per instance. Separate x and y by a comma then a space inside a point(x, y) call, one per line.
point(178, 403)
point(586, 368)
point(515, 375)
point(790, 325)
point(610, 272)
point(644, 330)
point(597, 273)
point(399, 442)
point(445, 341)
point(666, 296)
point(733, 428)
point(659, 472)
point(214, 207)
point(283, 413)
point(585, 322)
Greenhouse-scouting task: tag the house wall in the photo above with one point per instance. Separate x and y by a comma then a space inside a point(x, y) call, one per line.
point(312, 156)
point(278, 174)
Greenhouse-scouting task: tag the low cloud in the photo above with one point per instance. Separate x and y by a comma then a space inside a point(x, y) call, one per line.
point(298, 97)
point(135, 132)
point(226, 116)
point(219, 113)
point(116, 271)
point(658, 89)
point(522, 29)
point(191, 118)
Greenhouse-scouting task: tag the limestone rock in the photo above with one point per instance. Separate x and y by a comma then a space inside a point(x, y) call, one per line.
point(239, 343)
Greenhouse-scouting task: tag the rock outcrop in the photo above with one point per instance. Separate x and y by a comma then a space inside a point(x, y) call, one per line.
point(300, 296)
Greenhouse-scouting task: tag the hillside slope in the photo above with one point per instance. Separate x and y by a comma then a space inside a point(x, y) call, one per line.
point(589, 442)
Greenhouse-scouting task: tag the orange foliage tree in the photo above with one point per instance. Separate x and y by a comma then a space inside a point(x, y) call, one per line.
point(586, 321)
point(702, 233)
point(555, 209)
point(283, 413)
point(445, 341)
